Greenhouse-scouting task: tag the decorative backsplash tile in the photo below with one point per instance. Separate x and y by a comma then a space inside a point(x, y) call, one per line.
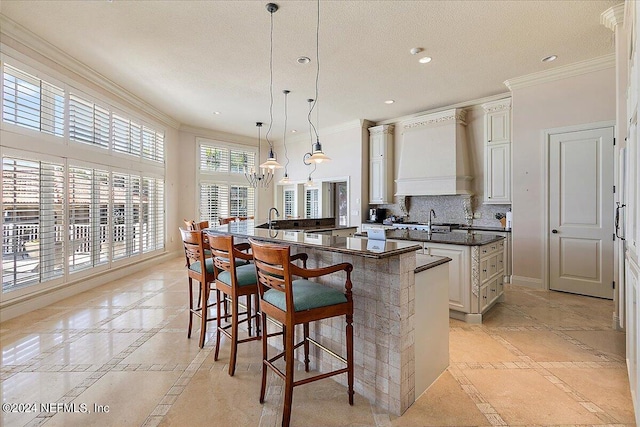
point(449, 209)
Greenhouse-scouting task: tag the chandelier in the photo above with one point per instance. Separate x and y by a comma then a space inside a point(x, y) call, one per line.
point(264, 176)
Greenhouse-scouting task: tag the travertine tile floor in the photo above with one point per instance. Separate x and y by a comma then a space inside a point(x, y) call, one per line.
point(540, 359)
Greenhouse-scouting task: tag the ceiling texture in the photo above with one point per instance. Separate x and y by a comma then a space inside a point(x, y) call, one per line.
point(190, 59)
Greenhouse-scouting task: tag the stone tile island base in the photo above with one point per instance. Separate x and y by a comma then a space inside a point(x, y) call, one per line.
point(384, 292)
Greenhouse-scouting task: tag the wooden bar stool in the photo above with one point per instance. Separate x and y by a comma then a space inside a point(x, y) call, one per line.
point(300, 301)
point(234, 280)
point(194, 251)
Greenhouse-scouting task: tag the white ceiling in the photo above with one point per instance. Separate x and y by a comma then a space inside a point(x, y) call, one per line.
point(191, 58)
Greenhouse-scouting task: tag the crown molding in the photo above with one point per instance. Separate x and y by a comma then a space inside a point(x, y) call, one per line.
point(613, 16)
point(382, 129)
point(21, 35)
point(562, 72)
point(455, 115)
point(500, 105)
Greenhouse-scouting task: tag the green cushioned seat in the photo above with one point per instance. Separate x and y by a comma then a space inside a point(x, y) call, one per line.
point(209, 264)
point(306, 295)
point(245, 274)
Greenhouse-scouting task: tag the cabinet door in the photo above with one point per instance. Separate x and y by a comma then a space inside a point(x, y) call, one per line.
point(498, 174)
point(376, 146)
point(484, 297)
point(377, 183)
point(498, 127)
point(459, 276)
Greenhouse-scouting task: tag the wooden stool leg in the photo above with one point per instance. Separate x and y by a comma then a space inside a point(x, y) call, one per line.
point(256, 301)
point(305, 328)
point(350, 357)
point(218, 326)
point(265, 357)
point(249, 326)
point(234, 335)
point(288, 381)
point(204, 292)
point(190, 307)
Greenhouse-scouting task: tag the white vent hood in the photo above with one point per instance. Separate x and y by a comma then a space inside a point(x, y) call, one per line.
point(433, 155)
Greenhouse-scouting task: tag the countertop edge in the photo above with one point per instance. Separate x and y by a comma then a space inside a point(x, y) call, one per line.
point(433, 264)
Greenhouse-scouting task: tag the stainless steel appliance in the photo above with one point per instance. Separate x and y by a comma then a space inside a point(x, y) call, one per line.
point(377, 214)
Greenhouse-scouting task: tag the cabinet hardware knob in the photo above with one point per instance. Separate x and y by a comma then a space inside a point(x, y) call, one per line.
point(484, 270)
point(554, 231)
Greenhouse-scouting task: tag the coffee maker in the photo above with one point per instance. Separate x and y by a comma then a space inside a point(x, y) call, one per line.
point(377, 214)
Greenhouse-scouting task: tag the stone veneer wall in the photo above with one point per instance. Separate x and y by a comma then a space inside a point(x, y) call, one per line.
point(448, 209)
point(384, 353)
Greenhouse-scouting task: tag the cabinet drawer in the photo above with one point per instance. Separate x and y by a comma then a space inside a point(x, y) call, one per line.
point(493, 289)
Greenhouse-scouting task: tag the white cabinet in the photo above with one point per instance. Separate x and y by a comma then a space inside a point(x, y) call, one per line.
point(506, 257)
point(497, 152)
point(476, 277)
point(381, 164)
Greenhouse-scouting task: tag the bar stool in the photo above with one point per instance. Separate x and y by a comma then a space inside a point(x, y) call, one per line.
point(300, 301)
point(232, 282)
point(194, 251)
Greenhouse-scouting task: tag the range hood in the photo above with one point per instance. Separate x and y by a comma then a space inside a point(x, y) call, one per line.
point(433, 155)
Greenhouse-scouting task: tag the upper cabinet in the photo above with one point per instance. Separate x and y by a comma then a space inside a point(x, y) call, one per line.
point(381, 164)
point(497, 152)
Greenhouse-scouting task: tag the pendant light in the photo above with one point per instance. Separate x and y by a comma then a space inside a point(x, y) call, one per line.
point(306, 157)
point(316, 155)
point(272, 162)
point(265, 176)
point(285, 178)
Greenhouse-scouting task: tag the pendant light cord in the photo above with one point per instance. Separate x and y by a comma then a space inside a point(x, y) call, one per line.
point(284, 134)
point(270, 85)
point(317, 74)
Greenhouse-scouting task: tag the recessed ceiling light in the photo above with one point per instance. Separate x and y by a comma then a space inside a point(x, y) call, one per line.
point(549, 58)
point(303, 60)
point(389, 101)
point(293, 131)
point(216, 112)
point(415, 50)
point(424, 60)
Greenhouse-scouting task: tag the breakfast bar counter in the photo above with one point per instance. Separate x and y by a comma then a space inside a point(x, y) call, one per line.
point(401, 316)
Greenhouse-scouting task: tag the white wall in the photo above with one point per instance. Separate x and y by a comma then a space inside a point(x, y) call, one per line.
point(583, 99)
point(348, 148)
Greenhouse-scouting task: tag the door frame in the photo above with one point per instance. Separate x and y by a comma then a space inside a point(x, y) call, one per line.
point(546, 138)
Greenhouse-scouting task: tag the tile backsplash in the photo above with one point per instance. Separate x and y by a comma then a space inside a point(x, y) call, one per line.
point(447, 208)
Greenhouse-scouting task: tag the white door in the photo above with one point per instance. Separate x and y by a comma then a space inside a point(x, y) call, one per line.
point(581, 212)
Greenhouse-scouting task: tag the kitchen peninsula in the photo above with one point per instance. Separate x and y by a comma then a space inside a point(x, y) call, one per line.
point(401, 325)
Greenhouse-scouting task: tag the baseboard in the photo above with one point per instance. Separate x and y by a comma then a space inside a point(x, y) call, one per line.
point(528, 282)
point(23, 305)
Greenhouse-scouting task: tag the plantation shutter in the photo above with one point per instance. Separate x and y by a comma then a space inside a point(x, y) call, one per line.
point(126, 135)
point(214, 159)
point(88, 122)
point(242, 201)
point(152, 214)
point(80, 218)
point(152, 144)
point(289, 203)
point(312, 203)
point(214, 202)
point(32, 103)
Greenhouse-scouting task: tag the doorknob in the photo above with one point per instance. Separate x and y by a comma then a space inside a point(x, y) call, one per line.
point(554, 231)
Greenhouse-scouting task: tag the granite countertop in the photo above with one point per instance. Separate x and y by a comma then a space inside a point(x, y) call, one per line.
point(465, 239)
point(318, 240)
point(434, 261)
point(485, 228)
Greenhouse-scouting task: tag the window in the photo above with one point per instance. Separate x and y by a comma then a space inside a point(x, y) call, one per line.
point(152, 145)
point(88, 122)
point(312, 203)
point(32, 222)
point(224, 191)
point(289, 202)
point(126, 215)
point(88, 218)
point(214, 202)
point(32, 103)
point(152, 214)
point(126, 135)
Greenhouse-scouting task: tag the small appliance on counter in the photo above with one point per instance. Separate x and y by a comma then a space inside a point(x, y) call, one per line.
point(377, 214)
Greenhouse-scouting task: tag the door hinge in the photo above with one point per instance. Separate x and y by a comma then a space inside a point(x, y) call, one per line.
point(614, 189)
point(614, 141)
point(614, 237)
point(613, 284)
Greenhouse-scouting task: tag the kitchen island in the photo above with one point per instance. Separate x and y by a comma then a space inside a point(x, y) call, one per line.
point(476, 272)
point(401, 327)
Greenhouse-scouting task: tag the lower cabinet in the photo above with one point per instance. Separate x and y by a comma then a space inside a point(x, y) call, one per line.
point(476, 277)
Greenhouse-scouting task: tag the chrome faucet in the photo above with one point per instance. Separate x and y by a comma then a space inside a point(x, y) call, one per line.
point(269, 215)
point(431, 212)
